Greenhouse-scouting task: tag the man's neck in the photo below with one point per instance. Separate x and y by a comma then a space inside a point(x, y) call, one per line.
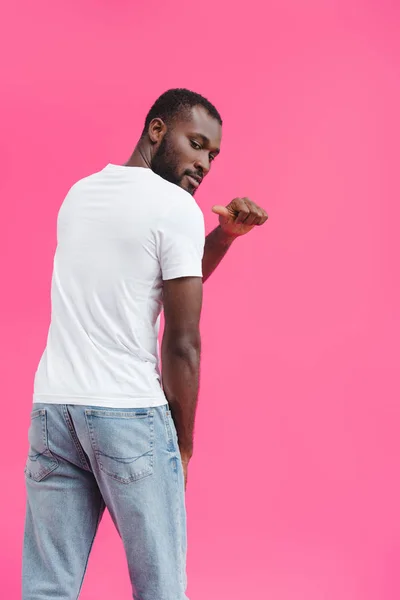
point(139, 158)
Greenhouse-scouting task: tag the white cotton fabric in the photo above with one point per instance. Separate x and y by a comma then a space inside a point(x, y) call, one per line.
point(120, 233)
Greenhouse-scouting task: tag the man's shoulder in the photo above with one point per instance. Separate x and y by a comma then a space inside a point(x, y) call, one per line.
point(170, 190)
point(83, 182)
point(174, 198)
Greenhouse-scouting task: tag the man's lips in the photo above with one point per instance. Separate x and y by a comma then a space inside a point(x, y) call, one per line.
point(194, 180)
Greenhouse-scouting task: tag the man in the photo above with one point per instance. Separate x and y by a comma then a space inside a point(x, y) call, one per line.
point(106, 429)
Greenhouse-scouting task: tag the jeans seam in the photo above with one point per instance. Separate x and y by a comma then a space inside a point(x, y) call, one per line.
point(90, 547)
point(75, 439)
point(178, 517)
point(169, 433)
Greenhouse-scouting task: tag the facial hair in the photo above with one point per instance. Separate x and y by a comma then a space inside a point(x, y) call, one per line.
point(165, 164)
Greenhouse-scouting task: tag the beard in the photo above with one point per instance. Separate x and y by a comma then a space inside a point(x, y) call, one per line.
point(165, 164)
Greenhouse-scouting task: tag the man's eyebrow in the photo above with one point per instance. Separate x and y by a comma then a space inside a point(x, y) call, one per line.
point(206, 141)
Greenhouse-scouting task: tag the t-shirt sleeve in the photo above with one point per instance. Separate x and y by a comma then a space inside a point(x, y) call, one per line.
point(181, 239)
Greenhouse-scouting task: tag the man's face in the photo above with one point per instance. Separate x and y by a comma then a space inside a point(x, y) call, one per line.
point(187, 150)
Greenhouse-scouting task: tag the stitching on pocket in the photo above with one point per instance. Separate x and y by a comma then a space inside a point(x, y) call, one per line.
point(108, 454)
point(40, 462)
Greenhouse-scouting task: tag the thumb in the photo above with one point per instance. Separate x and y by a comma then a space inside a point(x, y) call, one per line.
point(221, 210)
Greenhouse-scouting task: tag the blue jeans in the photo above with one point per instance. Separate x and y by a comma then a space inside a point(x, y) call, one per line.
point(83, 459)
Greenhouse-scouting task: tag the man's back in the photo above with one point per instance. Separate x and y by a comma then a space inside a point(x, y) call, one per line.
point(121, 232)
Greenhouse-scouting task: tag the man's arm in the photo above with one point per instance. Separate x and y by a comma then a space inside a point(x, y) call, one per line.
point(235, 220)
point(216, 246)
point(180, 351)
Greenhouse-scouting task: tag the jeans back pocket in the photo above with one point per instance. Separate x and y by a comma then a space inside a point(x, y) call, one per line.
point(40, 462)
point(122, 442)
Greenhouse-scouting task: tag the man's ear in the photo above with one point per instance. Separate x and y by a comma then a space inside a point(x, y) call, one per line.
point(157, 130)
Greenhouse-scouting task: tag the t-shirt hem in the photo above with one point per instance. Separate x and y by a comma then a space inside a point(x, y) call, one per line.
point(181, 272)
point(102, 402)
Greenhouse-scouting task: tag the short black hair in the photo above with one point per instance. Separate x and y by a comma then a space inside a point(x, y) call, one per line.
point(178, 102)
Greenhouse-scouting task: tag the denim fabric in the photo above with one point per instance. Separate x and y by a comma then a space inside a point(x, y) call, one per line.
point(83, 459)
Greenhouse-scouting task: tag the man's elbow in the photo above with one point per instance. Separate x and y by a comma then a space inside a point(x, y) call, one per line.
point(185, 345)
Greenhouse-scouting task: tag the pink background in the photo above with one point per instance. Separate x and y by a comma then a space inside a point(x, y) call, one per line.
point(294, 490)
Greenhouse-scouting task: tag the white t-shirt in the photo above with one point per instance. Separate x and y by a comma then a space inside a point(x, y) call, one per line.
point(120, 233)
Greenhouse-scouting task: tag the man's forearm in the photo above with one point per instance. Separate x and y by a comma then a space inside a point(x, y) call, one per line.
point(216, 246)
point(180, 374)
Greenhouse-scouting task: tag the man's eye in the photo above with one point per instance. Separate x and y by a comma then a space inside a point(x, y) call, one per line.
point(195, 145)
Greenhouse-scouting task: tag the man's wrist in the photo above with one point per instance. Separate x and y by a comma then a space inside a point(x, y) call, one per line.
point(186, 448)
point(225, 238)
point(186, 455)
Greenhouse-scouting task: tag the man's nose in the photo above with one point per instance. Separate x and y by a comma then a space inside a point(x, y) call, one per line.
point(203, 164)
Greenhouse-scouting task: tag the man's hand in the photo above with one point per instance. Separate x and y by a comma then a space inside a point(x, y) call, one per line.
point(240, 216)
